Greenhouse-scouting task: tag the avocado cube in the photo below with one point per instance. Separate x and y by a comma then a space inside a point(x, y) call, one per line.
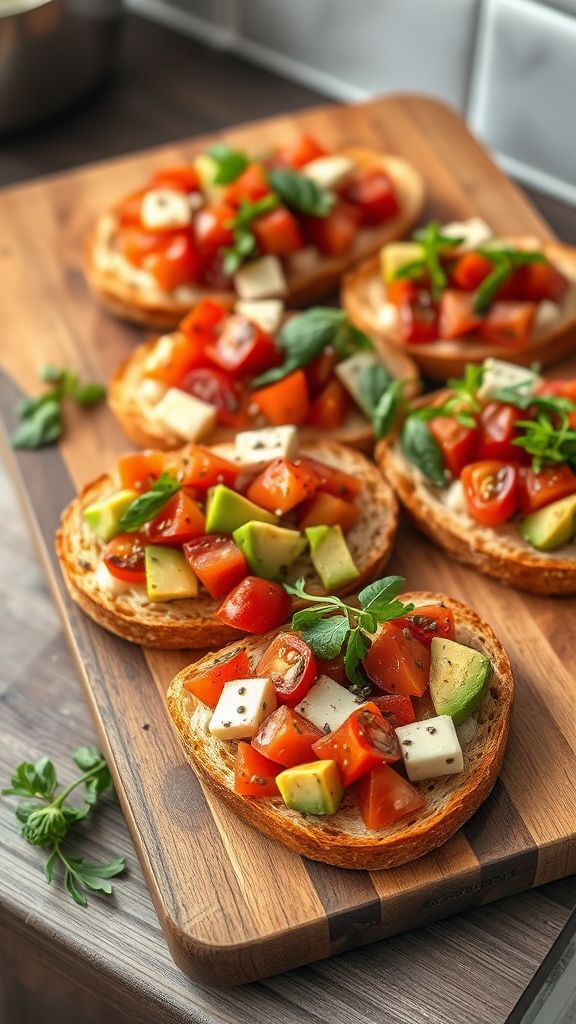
point(459, 678)
point(207, 169)
point(396, 255)
point(269, 550)
point(552, 526)
point(331, 556)
point(103, 517)
point(168, 575)
point(313, 788)
point(226, 511)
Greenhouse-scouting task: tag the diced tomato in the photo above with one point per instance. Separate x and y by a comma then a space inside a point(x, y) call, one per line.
point(124, 557)
point(286, 401)
point(212, 273)
point(177, 263)
point(417, 313)
point(184, 179)
point(457, 443)
point(329, 410)
point(241, 347)
point(136, 244)
point(301, 151)
point(333, 668)
point(255, 606)
point(319, 371)
point(363, 741)
point(217, 562)
point(216, 388)
point(384, 797)
point(278, 232)
point(129, 209)
point(470, 270)
point(508, 323)
point(372, 191)
point(179, 521)
point(207, 684)
point(139, 470)
point(212, 228)
point(335, 234)
point(283, 485)
point(286, 737)
point(328, 510)
point(539, 489)
point(254, 773)
point(291, 666)
point(397, 662)
point(201, 321)
point(201, 468)
point(457, 316)
point(396, 708)
point(332, 480)
point(427, 622)
point(538, 281)
point(251, 185)
point(497, 432)
point(184, 354)
point(491, 491)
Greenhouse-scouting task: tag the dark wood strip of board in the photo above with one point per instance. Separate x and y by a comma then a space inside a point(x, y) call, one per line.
point(350, 901)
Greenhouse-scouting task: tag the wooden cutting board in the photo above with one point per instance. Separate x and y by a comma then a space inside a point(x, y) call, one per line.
point(234, 905)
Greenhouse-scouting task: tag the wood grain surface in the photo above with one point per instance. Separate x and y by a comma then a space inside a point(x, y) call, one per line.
point(210, 875)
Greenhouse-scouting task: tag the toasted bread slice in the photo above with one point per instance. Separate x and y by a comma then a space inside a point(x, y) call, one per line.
point(363, 295)
point(134, 414)
point(341, 838)
point(500, 553)
point(193, 623)
point(140, 301)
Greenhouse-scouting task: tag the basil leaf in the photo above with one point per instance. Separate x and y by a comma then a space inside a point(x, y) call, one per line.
point(88, 758)
point(90, 394)
point(147, 506)
point(373, 382)
point(381, 591)
point(385, 413)
point(421, 448)
point(245, 244)
point(38, 779)
point(301, 193)
point(231, 163)
point(326, 636)
point(486, 293)
point(356, 651)
point(41, 426)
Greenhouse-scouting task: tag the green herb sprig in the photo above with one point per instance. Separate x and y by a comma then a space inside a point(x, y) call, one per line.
point(381, 398)
point(146, 506)
point(331, 626)
point(230, 163)
point(41, 417)
point(300, 193)
point(435, 245)
point(245, 244)
point(47, 821)
point(505, 260)
point(547, 442)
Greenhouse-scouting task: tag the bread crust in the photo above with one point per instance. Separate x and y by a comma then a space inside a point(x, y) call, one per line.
point(192, 623)
point(162, 310)
point(363, 293)
point(342, 839)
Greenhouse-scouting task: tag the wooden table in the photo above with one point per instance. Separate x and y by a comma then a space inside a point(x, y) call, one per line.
point(70, 964)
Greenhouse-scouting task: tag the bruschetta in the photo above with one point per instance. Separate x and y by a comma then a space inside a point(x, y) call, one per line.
point(228, 226)
point(371, 773)
point(457, 295)
point(487, 470)
point(190, 549)
point(221, 372)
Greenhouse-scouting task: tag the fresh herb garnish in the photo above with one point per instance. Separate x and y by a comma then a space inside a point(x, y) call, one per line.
point(435, 245)
point(547, 442)
point(301, 193)
point(47, 821)
point(505, 261)
point(462, 403)
point(245, 244)
point(231, 163)
point(147, 506)
point(422, 449)
point(41, 417)
point(333, 627)
point(304, 337)
point(380, 398)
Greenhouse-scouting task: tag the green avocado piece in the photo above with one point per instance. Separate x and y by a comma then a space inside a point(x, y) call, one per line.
point(551, 526)
point(168, 575)
point(396, 255)
point(459, 678)
point(207, 169)
point(311, 788)
point(331, 556)
point(269, 550)
point(226, 511)
point(104, 516)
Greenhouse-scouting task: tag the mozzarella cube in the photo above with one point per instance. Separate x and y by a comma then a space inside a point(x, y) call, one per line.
point(242, 707)
point(500, 374)
point(430, 748)
point(184, 415)
point(329, 172)
point(261, 279)
point(165, 208)
point(161, 355)
point(350, 372)
point(151, 391)
point(327, 704)
point(473, 232)
point(257, 448)
point(266, 313)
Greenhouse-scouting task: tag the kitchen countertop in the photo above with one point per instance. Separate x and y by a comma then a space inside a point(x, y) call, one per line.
point(68, 964)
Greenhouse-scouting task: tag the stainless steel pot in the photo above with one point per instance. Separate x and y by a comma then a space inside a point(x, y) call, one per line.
point(51, 53)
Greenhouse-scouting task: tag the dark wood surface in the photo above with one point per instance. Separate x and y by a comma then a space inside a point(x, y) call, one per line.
point(412, 976)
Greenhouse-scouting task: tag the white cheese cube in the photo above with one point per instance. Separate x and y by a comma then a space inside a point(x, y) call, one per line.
point(430, 748)
point(500, 374)
point(151, 391)
point(329, 172)
point(161, 355)
point(184, 415)
point(109, 584)
point(258, 448)
point(350, 371)
point(165, 208)
point(266, 313)
point(327, 704)
point(242, 707)
point(473, 232)
point(547, 314)
point(261, 279)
